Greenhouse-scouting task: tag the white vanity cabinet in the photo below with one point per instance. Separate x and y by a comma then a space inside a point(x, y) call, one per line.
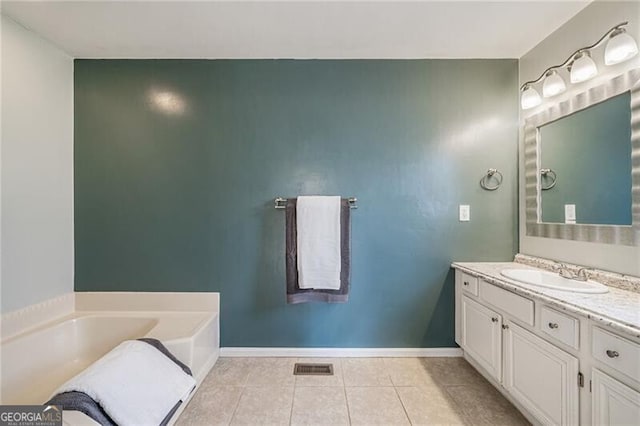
point(538, 375)
point(481, 335)
point(613, 403)
point(558, 367)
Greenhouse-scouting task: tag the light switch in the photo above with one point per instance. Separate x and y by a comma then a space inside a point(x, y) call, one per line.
point(464, 213)
point(569, 213)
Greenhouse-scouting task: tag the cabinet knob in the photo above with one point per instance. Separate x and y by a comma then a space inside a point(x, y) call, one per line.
point(553, 325)
point(505, 326)
point(494, 319)
point(466, 283)
point(612, 354)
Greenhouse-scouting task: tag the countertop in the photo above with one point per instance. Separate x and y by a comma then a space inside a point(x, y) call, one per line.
point(618, 309)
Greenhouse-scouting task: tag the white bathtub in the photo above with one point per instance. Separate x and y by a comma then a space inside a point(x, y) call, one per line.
point(36, 362)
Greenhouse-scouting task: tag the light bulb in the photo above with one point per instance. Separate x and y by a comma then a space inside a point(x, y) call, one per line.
point(583, 68)
point(553, 84)
point(530, 98)
point(620, 47)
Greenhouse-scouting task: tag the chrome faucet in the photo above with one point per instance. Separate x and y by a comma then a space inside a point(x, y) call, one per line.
point(565, 272)
point(582, 275)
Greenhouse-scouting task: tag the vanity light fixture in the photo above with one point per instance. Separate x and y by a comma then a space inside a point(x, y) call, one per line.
point(620, 47)
point(530, 97)
point(582, 68)
point(553, 84)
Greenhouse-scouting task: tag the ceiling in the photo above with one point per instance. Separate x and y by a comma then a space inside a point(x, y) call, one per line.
point(294, 29)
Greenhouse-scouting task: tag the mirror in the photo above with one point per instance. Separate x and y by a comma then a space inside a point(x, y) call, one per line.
point(582, 165)
point(585, 160)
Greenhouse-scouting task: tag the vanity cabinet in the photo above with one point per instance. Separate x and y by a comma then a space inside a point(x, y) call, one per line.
point(482, 336)
point(558, 367)
point(613, 403)
point(540, 376)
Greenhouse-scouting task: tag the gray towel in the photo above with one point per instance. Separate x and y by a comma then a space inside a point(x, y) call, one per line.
point(294, 293)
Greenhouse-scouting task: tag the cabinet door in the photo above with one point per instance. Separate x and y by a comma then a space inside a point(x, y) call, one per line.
point(542, 377)
point(614, 403)
point(481, 336)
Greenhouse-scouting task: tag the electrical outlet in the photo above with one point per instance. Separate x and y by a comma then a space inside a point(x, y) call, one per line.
point(464, 213)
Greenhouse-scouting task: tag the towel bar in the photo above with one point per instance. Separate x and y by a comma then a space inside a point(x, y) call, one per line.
point(281, 203)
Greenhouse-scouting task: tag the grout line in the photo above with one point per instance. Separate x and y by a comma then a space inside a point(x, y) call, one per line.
point(406, 413)
point(235, 409)
point(242, 386)
point(344, 390)
point(293, 397)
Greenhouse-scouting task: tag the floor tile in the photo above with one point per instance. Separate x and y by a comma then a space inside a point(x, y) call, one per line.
point(484, 405)
point(430, 405)
point(365, 372)
point(212, 406)
point(333, 380)
point(264, 405)
point(375, 405)
point(271, 372)
point(325, 405)
point(228, 372)
point(452, 371)
point(408, 372)
point(427, 391)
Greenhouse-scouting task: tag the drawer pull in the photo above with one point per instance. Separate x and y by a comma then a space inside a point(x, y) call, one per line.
point(466, 283)
point(505, 326)
point(553, 325)
point(494, 319)
point(612, 354)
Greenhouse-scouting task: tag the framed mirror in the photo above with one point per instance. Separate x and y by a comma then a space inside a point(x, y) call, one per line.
point(582, 165)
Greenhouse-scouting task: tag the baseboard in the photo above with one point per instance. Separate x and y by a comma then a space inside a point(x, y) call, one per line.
point(341, 352)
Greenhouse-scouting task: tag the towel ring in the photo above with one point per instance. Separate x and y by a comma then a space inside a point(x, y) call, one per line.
point(551, 175)
point(484, 182)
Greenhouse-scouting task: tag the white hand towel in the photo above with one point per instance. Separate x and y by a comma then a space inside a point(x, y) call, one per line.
point(135, 384)
point(318, 227)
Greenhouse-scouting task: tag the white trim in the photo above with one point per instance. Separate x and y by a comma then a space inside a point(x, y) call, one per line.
point(341, 352)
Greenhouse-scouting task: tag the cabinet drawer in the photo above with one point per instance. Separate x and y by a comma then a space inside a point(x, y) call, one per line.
point(516, 306)
point(616, 352)
point(561, 327)
point(469, 283)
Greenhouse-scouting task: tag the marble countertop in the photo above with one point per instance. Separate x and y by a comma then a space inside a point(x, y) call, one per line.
point(619, 309)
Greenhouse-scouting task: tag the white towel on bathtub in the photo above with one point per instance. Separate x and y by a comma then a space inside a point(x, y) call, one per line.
point(318, 229)
point(135, 384)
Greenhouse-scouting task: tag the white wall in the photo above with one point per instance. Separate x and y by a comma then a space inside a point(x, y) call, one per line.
point(582, 30)
point(37, 168)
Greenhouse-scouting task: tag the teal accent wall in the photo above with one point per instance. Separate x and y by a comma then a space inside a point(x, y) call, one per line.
point(590, 151)
point(183, 200)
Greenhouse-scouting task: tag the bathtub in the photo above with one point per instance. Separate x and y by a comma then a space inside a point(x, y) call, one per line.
point(36, 362)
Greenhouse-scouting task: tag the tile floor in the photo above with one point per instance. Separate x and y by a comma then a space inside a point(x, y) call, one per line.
point(362, 391)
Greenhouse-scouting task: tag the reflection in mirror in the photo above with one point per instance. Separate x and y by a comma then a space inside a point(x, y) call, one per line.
point(590, 153)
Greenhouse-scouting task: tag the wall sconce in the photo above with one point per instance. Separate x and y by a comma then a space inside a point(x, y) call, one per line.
point(620, 47)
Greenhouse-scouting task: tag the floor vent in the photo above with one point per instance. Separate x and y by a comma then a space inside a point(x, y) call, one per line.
point(313, 370)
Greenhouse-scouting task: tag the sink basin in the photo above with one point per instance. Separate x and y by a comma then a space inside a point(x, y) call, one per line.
point(553, 281)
